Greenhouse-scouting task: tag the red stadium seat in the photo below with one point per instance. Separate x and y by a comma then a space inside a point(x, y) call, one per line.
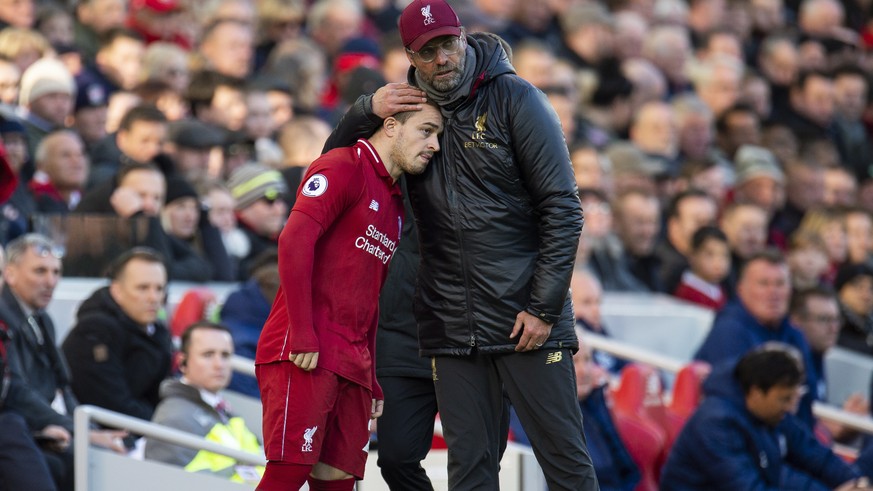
point(687, 393)
point(196, 304)
point(638, 410)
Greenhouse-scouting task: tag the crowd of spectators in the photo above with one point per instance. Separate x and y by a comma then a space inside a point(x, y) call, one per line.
point(702, 134)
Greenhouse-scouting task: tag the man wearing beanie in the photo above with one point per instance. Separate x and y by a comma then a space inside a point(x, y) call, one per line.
point(261, 208)
point(46, 99)
point(491, 321)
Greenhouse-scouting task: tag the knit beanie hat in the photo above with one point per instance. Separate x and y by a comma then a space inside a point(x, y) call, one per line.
point(45, 76)
point(252, 182)
point(178, 188)
point(753, 161)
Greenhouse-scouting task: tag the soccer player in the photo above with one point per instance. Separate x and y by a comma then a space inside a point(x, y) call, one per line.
point(315, 355)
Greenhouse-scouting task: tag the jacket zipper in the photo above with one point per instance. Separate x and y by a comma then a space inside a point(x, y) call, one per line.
point(450, 190)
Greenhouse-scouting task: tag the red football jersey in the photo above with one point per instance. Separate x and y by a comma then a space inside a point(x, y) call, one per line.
point(333, 262)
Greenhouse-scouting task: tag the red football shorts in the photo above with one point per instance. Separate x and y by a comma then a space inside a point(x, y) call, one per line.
point(315, 416)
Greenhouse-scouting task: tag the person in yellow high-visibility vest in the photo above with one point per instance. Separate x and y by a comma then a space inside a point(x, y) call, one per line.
point(193, 404)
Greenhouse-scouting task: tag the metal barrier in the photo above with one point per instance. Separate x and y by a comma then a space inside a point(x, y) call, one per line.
point(85, 414)
point(623, 350)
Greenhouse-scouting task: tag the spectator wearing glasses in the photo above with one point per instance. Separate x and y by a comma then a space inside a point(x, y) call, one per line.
point(816, 312)
point(261, 208)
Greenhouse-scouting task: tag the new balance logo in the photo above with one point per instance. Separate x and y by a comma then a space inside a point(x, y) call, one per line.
point(307, 439)
point(374, 205)
point(554, 357)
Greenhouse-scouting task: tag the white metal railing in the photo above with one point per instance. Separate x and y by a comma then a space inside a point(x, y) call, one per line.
point(85, 414)
point(623, 350)
point(242, 365)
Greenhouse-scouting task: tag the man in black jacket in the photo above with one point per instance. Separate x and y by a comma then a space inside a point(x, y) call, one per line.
point(499, 222)
point(118, 351)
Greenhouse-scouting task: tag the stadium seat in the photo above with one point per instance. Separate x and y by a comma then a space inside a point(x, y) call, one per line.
point(687, 392)
point(638, 410)
point(197, 304)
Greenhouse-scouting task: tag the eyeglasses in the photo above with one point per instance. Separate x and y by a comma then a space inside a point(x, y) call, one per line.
point(45, 250)
point(825, 319)
point(428, 53)
point(272, 200)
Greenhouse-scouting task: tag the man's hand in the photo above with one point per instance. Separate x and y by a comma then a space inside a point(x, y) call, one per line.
point(59, 436)
point(111, 439)
point(305, 361)
point(534, 331)
point(377, 408)
point(397, 97)
point(855, 484)
point(126, 202)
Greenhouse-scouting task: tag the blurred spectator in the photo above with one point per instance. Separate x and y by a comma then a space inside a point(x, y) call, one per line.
point(588, 35)
point(395, 65)
point(637, 219)
point(709, 174)
point(654, 131)
point(854, 286)
point(743, 435)
point(755, 92)
point(260, 128)
point(669, 49)
point(695, 128)
point(194, 404)
point(830, 225)
point(246, 309)
point(687, 212)
point(631, 30)
point(160, 21)
point(759, 314)
point(778, 61)
point(591, 168)
point(859, 235)
point(227, 47)
point(810, 113)
point(164, 97)
point(720, 42)
point(90, 111)
point(220, 205)
point(17, 14)
point(840, 187)
point(600, 249)
point(609, 107)
point(278, 21)
point(17, 205)
point(631, 169)
point(330, 23)
point(717, 81)
point(587, 295)
point(807, 258)
point(303, 65)
point(120, 102)
point(260, 208)
point(779, 139)
point(196, 252)
point(118, 350)
point(46, 100)
point(739, 125)
point(10, 75)
point(648, 81)
point(533, 60)
point(745, 226)
point(816, 312)
point(708, 265)
point(24, 46)
point(56, 25)
point(140, 138)
point(804, 190)
point(166, 62)
point(850, 99)
point(93, 19)
point(189, 144)
point(61, 172)
point(217, 99)
point(118, 63)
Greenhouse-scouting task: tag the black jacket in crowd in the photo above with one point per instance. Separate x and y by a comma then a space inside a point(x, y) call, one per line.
point(116, 363)
point(497, 212)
